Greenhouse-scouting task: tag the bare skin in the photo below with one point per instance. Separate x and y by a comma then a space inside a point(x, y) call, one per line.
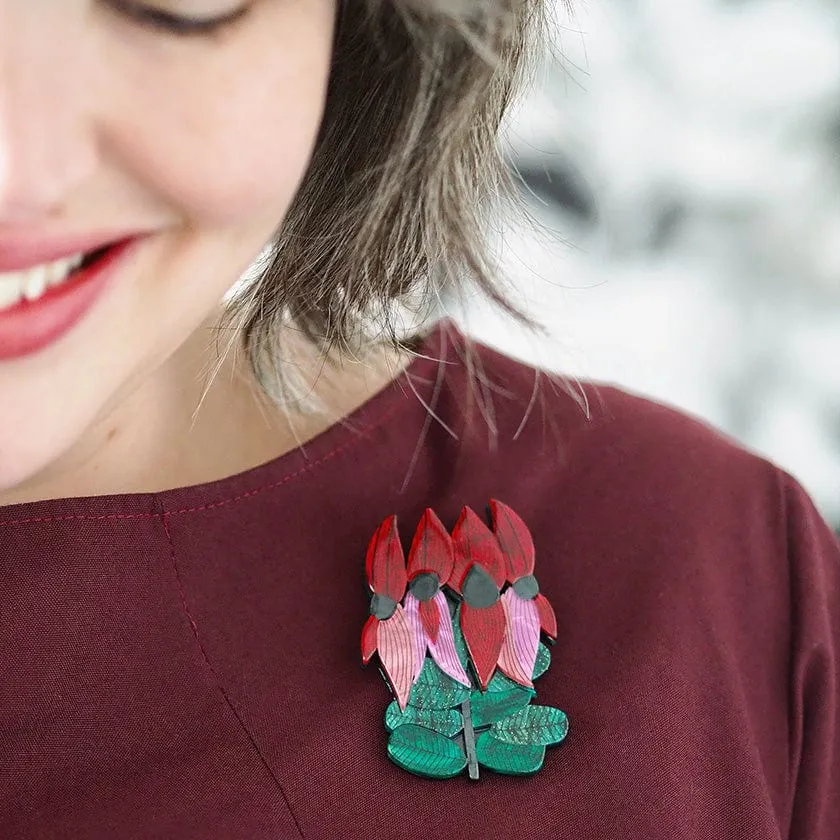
point(199, 426)
point(200, 144)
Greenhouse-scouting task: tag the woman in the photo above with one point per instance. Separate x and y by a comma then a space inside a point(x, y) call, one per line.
point(184, 525)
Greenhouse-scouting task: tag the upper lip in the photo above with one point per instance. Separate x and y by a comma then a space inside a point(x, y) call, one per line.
point(19, 252)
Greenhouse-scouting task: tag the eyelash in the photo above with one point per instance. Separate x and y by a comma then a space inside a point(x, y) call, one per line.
point(182, 27)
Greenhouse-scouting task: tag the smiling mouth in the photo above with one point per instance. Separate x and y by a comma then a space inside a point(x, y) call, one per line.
point(29, 285)
point(45, 302)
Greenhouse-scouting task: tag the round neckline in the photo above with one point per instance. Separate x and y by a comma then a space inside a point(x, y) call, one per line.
point(353, 428)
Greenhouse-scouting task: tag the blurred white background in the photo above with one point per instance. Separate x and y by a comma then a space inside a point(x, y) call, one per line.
point(685, 157)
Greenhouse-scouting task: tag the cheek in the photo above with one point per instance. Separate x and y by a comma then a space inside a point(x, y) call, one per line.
point(225, 139)
point(238, 175)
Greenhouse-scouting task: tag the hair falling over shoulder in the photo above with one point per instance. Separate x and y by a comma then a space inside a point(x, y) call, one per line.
point(405, 173)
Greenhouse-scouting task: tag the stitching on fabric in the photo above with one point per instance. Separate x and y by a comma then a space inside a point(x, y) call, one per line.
point(362, 435)
point(165, 518)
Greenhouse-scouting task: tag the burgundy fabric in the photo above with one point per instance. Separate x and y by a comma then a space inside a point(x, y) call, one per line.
point(185, 664)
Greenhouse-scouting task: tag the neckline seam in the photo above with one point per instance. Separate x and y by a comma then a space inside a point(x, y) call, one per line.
point(156, 499)
point(362, 436)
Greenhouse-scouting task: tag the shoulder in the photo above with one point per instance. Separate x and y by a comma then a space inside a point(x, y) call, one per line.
point(652, 491)
point(606, 470)
point(579, 437)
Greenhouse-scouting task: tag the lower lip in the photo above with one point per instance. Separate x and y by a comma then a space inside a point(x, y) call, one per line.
point(30, 326)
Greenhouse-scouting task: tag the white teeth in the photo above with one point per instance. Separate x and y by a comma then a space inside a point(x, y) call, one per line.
point(59, 271)
point(9, 295)
point(54, 274)
point(33, 282)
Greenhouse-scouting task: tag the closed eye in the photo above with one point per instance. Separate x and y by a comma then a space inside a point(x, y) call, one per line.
point(173, 24)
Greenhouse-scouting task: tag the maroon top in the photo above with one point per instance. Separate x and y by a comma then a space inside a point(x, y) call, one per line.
point(185, 664)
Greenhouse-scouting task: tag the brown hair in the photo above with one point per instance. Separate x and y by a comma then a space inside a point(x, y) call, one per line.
point(406, 168)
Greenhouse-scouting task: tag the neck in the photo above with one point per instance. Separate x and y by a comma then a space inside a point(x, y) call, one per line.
point(199, 418)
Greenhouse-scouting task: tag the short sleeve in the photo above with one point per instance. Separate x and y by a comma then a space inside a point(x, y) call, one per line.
point(814, 553)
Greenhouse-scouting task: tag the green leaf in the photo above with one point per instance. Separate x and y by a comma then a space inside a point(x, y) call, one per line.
point(499, 682)
point(493, 706)
point(537, 725)
point(436, 690)
point(425, 753)
point(512, 759)
point(447, 722)
point(543, 661)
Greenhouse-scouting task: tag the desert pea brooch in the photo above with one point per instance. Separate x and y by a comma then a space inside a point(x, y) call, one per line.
point(457, 632)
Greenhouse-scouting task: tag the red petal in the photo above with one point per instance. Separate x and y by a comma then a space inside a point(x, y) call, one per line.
point(484, 633)
point(548, 621)
point(515, 539)
point(430, 617)
point(369, 639)
point(475, 543)
point(397, 655)
point(432, 549)
point(385, 561)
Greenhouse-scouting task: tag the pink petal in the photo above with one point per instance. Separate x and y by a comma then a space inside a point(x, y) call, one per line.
point(443, 650)
point(418, 633)
point(522, 637)
point(397, 654)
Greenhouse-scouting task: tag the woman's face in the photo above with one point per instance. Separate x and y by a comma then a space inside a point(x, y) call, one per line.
point(113, 127)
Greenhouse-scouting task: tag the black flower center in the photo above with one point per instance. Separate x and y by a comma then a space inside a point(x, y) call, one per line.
point(479, 588)
point(425, 586)
point(382, 606)
point(527, 588)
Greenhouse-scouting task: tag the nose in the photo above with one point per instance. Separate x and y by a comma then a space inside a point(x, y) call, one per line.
point(47, 143)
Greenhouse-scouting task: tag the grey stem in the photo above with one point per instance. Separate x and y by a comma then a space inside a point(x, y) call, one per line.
point(469, 739)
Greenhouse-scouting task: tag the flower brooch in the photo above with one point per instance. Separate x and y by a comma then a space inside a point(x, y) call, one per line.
point(457, 632)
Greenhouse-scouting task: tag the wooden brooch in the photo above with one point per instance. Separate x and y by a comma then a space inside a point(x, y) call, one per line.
point(457, 632)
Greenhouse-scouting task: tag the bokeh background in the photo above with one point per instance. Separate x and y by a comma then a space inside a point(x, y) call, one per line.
point(683, 158)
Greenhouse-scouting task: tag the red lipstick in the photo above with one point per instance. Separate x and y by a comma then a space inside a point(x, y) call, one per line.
point(30, 326)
